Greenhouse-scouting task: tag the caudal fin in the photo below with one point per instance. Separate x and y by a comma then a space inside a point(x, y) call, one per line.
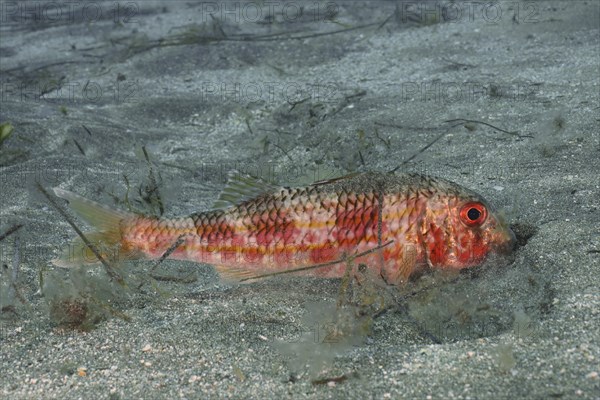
point(106, 236)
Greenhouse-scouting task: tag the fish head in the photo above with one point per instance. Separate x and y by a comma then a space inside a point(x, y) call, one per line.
point(462, 230)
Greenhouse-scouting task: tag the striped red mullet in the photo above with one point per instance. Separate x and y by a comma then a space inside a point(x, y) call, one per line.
point(413, 221)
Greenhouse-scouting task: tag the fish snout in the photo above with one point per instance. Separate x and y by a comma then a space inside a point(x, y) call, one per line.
point(505, 241)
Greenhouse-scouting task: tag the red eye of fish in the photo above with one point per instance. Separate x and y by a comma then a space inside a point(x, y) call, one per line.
point(473, 214)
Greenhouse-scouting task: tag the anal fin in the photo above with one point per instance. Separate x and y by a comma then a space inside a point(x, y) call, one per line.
point(237, 274)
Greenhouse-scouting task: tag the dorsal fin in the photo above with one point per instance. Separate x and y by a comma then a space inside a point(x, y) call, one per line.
point(240, 188)
point(339, 178)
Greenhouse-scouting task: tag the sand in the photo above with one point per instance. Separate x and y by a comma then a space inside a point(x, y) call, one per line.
point(500, 98)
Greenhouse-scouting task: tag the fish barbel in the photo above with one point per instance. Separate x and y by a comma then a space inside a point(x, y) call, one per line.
point(413, 221)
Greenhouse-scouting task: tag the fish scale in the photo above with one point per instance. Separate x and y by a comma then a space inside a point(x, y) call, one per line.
point(423, 221)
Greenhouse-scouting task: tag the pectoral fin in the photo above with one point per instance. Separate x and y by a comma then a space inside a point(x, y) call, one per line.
point(398, 271)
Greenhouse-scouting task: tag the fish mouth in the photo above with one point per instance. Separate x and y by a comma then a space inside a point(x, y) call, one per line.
point(505, 241)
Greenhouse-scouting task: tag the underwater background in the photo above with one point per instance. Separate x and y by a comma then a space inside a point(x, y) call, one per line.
point(148, 106)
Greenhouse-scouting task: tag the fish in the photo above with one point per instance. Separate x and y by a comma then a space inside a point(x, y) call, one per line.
point(394, 224)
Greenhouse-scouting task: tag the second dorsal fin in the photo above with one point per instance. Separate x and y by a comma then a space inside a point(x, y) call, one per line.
point(240, 188)
point(335, 179)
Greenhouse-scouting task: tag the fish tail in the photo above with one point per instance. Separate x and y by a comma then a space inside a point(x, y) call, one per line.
point(106, 236)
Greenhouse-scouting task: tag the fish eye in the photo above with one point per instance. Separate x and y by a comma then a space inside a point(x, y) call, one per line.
point(473, 214)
